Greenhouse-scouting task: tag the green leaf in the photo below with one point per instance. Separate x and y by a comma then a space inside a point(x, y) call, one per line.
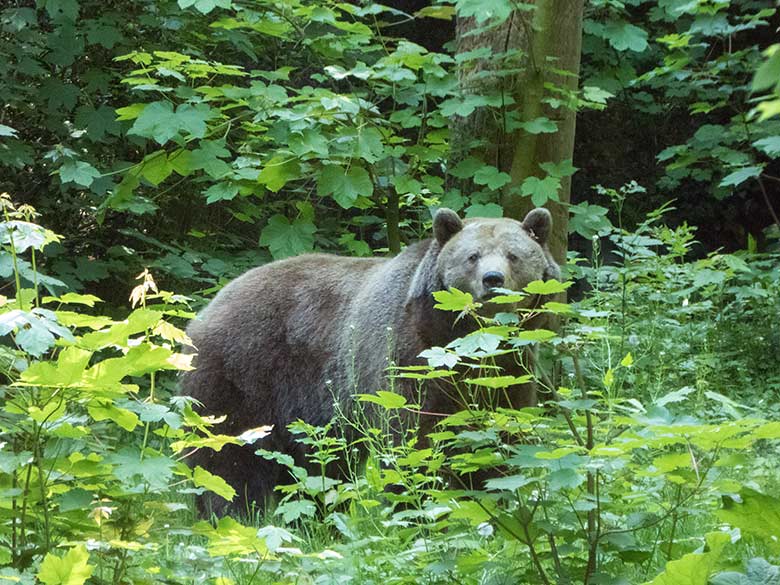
point(75, 499)
point(539, 126)
point(588, 220)
point(507, 299)
point(157, 120)
point(740, 176)
point(154, 470)
point(50, 412)
point(71, 569)
point(557, 308)
point(566, 478)
point(221, 192)
point(483, 10)
point(404, 184)
point(181, 161)
point(288, 239)
point(565, 168)
point(207, 157)
point(118, 334)
point(499, 381)
point(231, 538)
point(596, 94)
point(68, 370)
point(694, 568)
point(98, 122)
point(676, 396)
point(213, 483)
point(768, 74)
point(296, 509)
point(754, 513)
point(484, 210)
point(309, 142)
point(72, 298)
point(62, 10)
point(440, 12)
point(465, 106)
point(492, 177)
point(130, 112)
point(546, 287)
point(467, 167)
point(65, 44)
point(769, 146)
point(453, 300)
point(439, 357)
point(100, 34)
point(7, 131)
point(356, 247)
point(509, 483)
point(34, 331)
point(278, 171)
point(623, 35)
point(107, 411)
point(768, 108)
point(387, 400)
point(345, 186)
point(25, 235)
point(156, 167)
point(541, 190)
point(145, 358)
point(759, 572)
point(369, 146)
point(192, 119)
point(78, 172)
point(536, 335)
point(477, 343)
point(205, 6)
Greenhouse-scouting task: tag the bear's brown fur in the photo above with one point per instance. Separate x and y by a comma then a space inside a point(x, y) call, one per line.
point(285, 340)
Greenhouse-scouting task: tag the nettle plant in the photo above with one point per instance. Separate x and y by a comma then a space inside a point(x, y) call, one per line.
point(87, 423)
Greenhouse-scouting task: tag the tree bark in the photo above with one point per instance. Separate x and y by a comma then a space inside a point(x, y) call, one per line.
point(539, 44)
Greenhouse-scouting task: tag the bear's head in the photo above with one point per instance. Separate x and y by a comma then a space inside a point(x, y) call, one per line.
point(482, 254)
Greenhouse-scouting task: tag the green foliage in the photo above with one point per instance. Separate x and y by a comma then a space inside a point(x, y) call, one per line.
point(70, 569)
point(87, 421)
point(694, 568)
point(701, 72)
point(202, 137)
point(288, 239)
point(631, 470)
point(260, 111)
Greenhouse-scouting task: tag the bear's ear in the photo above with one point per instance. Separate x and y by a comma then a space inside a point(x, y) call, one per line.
point(538, 223)
point(446, 224)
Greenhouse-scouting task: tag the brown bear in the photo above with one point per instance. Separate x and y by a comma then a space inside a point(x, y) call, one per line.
point(287, 339)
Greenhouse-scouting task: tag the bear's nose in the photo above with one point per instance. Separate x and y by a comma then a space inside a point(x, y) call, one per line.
point(493, 279)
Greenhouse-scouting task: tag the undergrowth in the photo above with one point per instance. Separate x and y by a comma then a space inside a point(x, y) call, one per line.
point(652, 459)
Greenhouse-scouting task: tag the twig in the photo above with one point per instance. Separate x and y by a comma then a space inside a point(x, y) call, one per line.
point(592, 478)
point(767, 201)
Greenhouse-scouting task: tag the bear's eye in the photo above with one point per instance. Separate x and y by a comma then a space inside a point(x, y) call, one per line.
point(511, 257)
point(474, 257)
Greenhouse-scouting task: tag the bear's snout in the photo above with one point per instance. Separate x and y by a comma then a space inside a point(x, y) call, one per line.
point(493, 279)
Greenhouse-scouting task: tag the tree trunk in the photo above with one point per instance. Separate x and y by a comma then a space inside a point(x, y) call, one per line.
point(538, 43)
